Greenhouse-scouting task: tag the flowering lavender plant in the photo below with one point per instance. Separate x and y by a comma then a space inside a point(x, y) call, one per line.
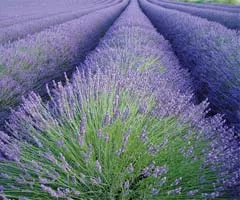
point(75, 153)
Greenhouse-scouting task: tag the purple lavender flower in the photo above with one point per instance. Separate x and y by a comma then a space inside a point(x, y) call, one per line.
point(159, 171)
point(176, 182)
point(83, 124)
point(107, 120)
point(97, 180)
point(1, 188)
point(130, 168)
point(98, 166)
point(126, 184)
point(125, 113)
point(162, 181)
point(155, 191)
point(175, 191)
point(192, 192)
point(49, 190)
point(143, 137)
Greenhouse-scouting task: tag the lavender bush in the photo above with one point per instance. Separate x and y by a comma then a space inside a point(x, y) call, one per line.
point(209, 51)
point(107, 149)
point(32, 62)
point(120, 130)
point(21, 30)
point(230, 20)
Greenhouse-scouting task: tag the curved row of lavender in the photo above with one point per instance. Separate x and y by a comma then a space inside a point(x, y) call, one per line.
point(30, 63)
point(211, 53)
point(9, 21)
point(226, 5)
point(13, 9)
point(21, 30)
point(24, 17)
point(230, 20)
point(120, 129)
point(234, 9)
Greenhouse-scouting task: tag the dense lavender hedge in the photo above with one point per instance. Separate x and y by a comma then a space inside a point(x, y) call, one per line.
point(120, 129)
point(230, 20)
point(209, 51)
point(21, 30)
point(30, 63)
point(233, 9)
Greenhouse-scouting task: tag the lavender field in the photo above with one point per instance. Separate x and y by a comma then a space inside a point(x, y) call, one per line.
point(119, 100)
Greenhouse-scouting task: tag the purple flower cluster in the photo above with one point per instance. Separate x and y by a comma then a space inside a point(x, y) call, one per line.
point(30, 63)
point(21, 30)
point(209, 51)
point(230, 20)
point(9, 148)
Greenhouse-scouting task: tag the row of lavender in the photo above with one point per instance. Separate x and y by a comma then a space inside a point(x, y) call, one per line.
point(25, 16)
point(32, 9)
point(21, 30)
point(227, 5)
point(123, 128)
point(30, 63)
point(230, 20)
point(223, 7)
point(210, 52)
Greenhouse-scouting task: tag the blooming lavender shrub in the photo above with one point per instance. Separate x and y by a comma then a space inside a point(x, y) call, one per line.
point(230, 20)
point(119, 131)
point(21, 30)
point(209, 51)
point(32, 62)
point(97, 144)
